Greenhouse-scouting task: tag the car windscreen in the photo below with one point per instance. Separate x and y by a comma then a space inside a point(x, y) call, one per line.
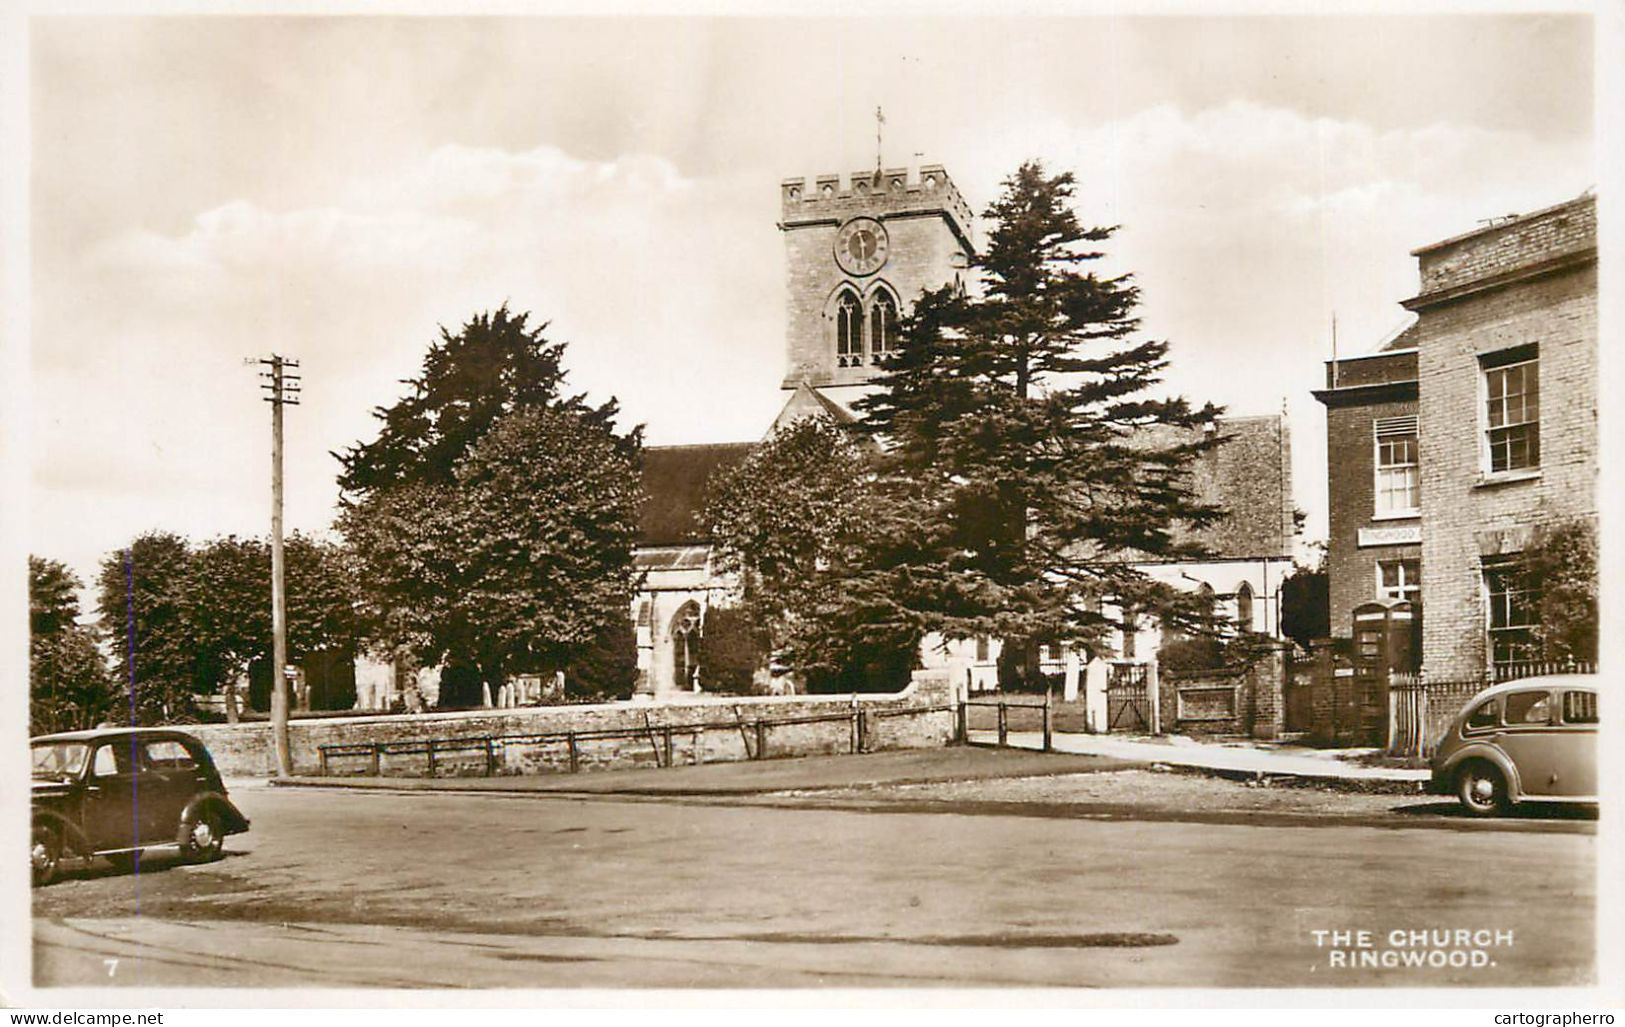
point(54, 760)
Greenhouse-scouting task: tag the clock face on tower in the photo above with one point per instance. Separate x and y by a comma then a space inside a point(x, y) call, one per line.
point(860, 246)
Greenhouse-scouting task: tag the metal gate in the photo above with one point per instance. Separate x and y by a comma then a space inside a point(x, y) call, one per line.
point(1128, 698)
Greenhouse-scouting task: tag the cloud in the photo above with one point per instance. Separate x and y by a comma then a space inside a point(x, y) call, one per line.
point(1249, 227)
point(1246, 226)
point(666, 295)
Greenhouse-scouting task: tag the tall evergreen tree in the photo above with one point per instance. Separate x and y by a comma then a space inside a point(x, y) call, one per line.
point(1029, 461)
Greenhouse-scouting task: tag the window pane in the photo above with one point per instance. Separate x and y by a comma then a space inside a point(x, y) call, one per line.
point(1512, 415)
point(169, 755)
point(882, 324)
point(1529, 708)
point(1580, 707)
point(107, 762)
point(1512, 602)
point(1400, 579)
point(848, 330)
point(1512, 645)
point(1397, 473)
point(1485, 715)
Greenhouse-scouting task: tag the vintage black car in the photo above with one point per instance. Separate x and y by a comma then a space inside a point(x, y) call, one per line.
point(116, 792)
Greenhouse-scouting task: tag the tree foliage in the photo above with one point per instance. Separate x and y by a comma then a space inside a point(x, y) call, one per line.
point(734, 651)
point(495, 365)
point(494, 517)
point(142, 602)
point(1306, 603)
point(1028, 459)
point(69, 685)
point(792, 523)
point(780, 517)
point(607, 668)
point(228, 605)
point(1561, 563)
point(198, 617)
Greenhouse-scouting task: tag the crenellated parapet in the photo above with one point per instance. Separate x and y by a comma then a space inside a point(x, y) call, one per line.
point(849, 278)
point(893, 193)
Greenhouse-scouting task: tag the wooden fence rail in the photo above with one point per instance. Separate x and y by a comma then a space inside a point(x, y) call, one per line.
point(1004, 708)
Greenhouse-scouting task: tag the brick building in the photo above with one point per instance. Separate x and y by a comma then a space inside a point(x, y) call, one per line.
point(1505, 313)
point(857, 253)
point(1374, 525)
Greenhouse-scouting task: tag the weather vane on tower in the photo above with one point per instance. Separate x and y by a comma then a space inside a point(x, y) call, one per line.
point(880, 119)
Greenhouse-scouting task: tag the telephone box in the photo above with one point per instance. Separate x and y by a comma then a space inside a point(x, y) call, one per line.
point(1386, 641)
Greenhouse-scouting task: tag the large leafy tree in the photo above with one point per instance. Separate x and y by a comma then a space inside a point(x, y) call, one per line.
point(228, 606)
point(197, 617)
point(781, 518)
point(494, 516)
point(1029, 460)
point(794, 524)
point(142, 602)
point(69, 684)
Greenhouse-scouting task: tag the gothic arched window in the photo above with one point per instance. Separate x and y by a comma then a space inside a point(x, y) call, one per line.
point(848, 330)
point(685, 644)
point(882, 325)
point(1244, 606)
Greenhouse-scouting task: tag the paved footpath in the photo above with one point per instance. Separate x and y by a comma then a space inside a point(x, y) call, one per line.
point(1301, 763)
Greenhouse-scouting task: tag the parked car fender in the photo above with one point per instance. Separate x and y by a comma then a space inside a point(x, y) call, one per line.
point(231, 819)
point(1489, 754)
point(72, 837)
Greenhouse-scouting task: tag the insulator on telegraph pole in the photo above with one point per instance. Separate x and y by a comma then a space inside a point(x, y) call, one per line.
point(282, 390)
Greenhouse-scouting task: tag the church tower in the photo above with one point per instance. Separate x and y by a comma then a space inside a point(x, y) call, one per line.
point(857, 257)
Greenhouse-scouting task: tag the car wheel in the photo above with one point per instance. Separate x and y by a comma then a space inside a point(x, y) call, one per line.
point(125, 861)
point(201, 837)
point(45, 852)
point(1481, 789)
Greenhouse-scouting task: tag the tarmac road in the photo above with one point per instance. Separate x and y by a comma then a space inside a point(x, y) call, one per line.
point(391, 889)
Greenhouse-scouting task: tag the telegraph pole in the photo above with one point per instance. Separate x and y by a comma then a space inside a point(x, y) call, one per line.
point(283, 389)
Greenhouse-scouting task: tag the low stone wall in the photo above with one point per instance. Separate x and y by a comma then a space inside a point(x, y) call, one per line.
point(540, 739)
point(1247, 700)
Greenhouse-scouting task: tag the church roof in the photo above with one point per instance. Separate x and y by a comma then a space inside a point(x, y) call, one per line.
point(672, 558)
point(1404, 339)
point(674, 484)
point(807, 401)
point(1249, 475)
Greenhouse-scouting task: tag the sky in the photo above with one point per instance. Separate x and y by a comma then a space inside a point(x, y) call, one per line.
point(207, 191)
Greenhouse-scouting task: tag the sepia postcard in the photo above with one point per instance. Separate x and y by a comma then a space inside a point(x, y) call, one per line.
point(545, 506)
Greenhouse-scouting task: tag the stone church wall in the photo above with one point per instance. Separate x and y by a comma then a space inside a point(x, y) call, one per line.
point(702, 729)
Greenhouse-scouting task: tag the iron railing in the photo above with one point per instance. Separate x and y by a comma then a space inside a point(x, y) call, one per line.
point(1513, 671)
